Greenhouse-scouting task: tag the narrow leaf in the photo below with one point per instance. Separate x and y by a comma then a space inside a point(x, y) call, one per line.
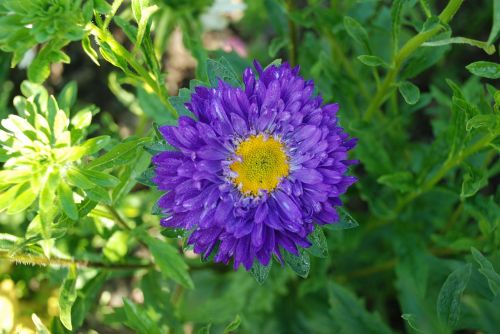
point(67, 297)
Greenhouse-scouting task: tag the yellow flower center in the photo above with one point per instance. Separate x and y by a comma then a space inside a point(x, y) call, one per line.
point(263, 164)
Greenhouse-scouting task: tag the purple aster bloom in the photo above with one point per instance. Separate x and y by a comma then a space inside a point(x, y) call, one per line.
point(258, 169)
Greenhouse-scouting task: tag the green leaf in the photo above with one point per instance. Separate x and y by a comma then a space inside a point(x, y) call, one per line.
point(102, 6)
point(489, 49)
point(456, 131)
point(98, 194)
point(431, 23)
point(402, 181)
point(67, 297)
point(40, 327)
point(100, 178)
point(138, 319)
point(77, 179)
point(142, 12)
point(66, 200)
point(116, 246)
point(67, 98)
point(372, 61)
point(489, 121)
point(221, 69)
point(233, 326)
point(23, 200)
point(411, 321)
point(118, 155)
point(409, 91)
point(7, 241)
point(350, 313)
point(485, 69)
point(300, 264)
point(276, 45)
point(396, 10)
point(7, 197)
point(146, 178)
point(261, 272)
point(487, 270)
point(449, 298)
point(51, 53)
point(170, 262)
point(346, 221)
point(319, 247)
point(95, 144)
point(357, 32)
point(86, 299)
point(495, 29)
point(474, 180)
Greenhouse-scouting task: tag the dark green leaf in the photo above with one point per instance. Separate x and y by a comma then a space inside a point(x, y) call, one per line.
point(346, 221)
point(495, 29)
point(402, 181)
point(488, 271)
point(261, 272)
point(319, 245)
point(449, 298)
point(350, 313)
point(146, 178)
point(100, 178)
point(67, 98)
point(474, 180)
point(300, 264)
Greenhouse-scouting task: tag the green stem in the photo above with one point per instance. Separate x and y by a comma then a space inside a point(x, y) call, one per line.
point(407, 50)
point(38, 260)
point(157, 87)
point(445, 168)
point(292, 31)
point(118, 218)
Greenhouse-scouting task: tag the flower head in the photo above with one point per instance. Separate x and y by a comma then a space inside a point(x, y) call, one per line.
point(258, 168)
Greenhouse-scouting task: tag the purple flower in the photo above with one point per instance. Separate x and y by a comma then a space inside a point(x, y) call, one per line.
point(258, 169)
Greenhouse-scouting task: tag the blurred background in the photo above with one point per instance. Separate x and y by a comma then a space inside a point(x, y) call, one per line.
point(421, 201)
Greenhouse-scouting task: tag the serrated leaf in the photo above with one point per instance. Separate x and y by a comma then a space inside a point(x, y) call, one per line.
point(409, 91)
point(485, 69)
point(170, 262)
point(449, 298)
point(67, 297)
point(346, 221)
point(350, 313)
point(300, 264)
point(221, 69)
point(319, 247)
point(487, 270)
point(261, 272)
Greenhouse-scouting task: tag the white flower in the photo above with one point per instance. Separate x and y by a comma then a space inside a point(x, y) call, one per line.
point(221, 13)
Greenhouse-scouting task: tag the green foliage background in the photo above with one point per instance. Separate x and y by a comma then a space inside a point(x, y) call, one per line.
point(81, 249)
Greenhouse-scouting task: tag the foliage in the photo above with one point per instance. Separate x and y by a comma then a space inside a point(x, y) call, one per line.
point(417, 251)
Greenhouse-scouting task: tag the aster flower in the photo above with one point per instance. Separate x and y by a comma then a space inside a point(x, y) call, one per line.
point(256, 170)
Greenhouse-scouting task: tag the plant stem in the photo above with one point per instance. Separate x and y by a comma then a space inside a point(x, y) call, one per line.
point(38, 260)
point(292, 31)
point(407, 50)
point(157, 87)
